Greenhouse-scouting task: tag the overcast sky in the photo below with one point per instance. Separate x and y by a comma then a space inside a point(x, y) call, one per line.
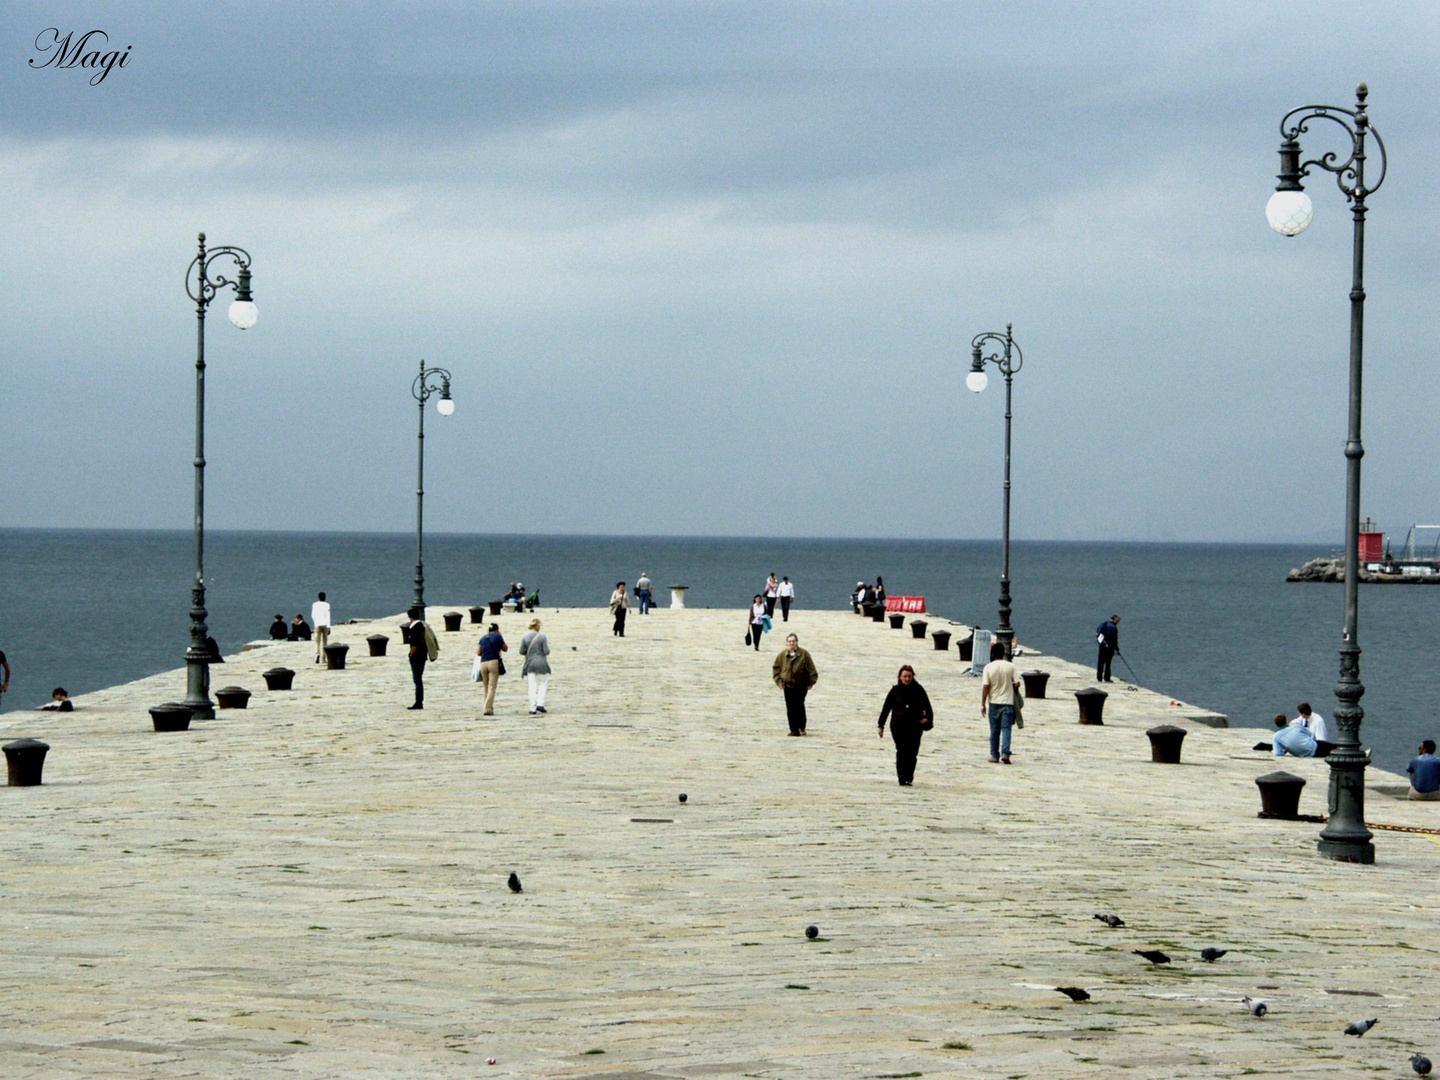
point(714, 268)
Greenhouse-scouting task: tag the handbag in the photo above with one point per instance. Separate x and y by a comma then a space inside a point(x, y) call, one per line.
point(927, 723)
point(502, 666)
point(1019, 709)
point(475, 670)
point(747, 638)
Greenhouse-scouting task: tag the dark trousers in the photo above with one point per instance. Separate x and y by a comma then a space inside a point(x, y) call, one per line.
point(770, 606)
point(1102, 666)
point(620, 622)
point(756, 632)
point(417, 672)
point(907, 749)
point(785, 607)
point(795, 708)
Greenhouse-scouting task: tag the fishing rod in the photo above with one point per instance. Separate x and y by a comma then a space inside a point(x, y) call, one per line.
point(1126, 663)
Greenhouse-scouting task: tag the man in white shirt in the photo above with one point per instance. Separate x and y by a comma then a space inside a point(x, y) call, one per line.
point(320, 617)
point(1312, 722)
point(787, 597)
point(999, 690)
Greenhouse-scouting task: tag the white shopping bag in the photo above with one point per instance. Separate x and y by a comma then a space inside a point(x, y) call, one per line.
point(475, 670)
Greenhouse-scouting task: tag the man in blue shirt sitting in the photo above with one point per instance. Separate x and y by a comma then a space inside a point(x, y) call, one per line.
point(1293, 738)
point(1425, 774)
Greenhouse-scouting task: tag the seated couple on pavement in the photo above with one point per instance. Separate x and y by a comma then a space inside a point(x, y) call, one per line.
point(1305, 736)
point(517, 600)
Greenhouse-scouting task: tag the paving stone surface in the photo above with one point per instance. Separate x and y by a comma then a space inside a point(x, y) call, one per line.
point(315, 886)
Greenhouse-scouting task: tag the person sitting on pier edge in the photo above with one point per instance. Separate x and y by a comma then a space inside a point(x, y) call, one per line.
point(1107, 635)
point(62, 703)
point(908, 707)
point(1293, 738)
point(1312, 721)
point(278, 630)
point(299, 629)
point(1425, 774)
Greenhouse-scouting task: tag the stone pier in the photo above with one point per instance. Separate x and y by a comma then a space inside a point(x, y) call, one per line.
point(315, 886)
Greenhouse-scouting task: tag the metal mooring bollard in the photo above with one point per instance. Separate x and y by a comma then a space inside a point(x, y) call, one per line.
point(25, 760)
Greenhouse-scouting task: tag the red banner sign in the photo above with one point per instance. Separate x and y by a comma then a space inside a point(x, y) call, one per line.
point(908, 604)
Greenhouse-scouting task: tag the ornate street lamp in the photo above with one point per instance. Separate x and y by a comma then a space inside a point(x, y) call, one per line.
point(1009, 361)
point(423, 387)
point(1289, 212)
point(201, 287)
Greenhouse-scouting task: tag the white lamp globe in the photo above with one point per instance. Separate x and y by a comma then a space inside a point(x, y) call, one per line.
point(977, 381)
point(243, 314)
point(446, 406)
point(1289, 212)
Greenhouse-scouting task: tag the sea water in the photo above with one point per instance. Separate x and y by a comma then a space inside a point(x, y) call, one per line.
point(1210, 625)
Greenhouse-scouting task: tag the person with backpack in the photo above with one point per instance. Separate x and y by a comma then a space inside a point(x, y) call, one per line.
point(423, 647)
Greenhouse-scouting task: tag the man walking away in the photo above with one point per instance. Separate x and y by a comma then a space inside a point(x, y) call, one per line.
point(320, 616)
point(787, 597)
point(1107, 635)
point(795, 673)
point(423, 646)
point(999, 692)
point(643, 593)
point(489, 650)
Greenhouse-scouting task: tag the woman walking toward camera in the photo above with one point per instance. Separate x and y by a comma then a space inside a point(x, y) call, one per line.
point(908, 707)
point(619, 607)
point(535, 648)
point(757, 621)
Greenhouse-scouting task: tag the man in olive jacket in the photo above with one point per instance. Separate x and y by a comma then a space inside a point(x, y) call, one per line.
point(795, 673)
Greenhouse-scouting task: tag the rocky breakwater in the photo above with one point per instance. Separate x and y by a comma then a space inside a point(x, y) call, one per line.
point(1334, 570)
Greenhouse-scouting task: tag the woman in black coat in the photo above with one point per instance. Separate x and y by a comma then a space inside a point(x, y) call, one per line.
point(908, 707)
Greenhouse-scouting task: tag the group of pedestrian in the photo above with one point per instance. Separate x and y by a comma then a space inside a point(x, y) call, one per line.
point(297, 629)
point(781, 591)
point(867, 593)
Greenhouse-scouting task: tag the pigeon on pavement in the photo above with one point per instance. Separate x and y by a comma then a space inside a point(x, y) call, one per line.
point(1155, 956)
point(514, 882)
point(1359, 1027)
point(1111, 921)
point(1211, 955)
point(1257, 1007)
point(1421, 1064)
point(1074, 993)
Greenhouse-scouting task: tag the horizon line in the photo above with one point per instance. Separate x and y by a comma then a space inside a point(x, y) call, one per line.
point(747, 537)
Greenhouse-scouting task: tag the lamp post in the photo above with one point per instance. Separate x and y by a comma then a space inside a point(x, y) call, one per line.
point(1009, 361)
point(202, 287)
point(423, 387)
point(1289, 212)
